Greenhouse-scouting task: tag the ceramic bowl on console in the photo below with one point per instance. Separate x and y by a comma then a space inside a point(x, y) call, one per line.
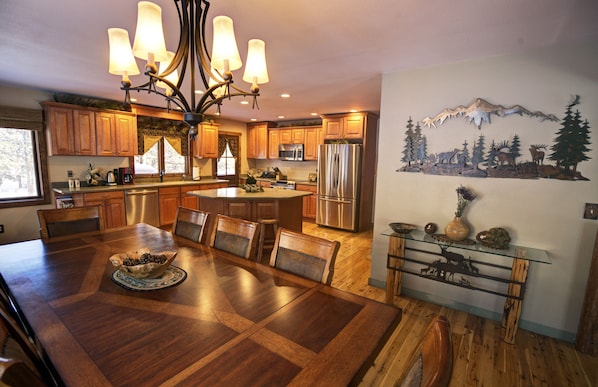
point(402, 228)
point(143, 264)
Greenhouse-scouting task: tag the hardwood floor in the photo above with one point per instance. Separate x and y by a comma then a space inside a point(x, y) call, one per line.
point(480, 357)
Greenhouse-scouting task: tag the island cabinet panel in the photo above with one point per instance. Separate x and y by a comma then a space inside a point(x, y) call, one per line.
point(170, 200)
point(112, 205)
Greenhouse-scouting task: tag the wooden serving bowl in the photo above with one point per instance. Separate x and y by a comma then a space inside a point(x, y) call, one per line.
point(402, 228)
point(144, 270)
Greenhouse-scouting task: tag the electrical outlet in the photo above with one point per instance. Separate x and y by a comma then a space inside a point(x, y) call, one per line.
point(1, 228)
point(591, 211)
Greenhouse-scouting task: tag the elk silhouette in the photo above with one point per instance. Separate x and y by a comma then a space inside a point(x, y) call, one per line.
point(537, 154)
point(504, 157)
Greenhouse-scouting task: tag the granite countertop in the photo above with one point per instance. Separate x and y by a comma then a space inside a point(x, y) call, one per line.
point(63, 189)
point(239, 193)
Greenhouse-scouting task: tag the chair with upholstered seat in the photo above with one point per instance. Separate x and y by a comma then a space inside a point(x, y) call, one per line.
point(66, 221)
point(17, 373)
point(234, 235)
point(305, 255)
point(190, 224)
point(431, 364)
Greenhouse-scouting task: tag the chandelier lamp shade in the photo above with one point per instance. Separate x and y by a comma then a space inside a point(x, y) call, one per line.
point(212, 70)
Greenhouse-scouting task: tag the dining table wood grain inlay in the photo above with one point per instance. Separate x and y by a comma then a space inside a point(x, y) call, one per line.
point(230, 322)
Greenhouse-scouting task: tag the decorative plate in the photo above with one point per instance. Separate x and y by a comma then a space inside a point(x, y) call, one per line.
point(172, 276)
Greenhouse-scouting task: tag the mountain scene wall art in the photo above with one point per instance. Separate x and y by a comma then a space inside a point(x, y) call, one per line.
point(504, 157)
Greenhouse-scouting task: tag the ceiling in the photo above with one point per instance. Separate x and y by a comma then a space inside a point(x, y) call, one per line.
point(329, 55)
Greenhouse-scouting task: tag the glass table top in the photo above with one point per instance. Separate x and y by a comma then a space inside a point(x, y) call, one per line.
point(513, 251)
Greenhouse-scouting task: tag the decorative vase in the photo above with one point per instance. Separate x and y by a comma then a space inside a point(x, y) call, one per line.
point(457, 229)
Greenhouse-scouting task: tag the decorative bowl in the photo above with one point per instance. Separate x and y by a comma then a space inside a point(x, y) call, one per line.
point(142, 264)
point(402, 228)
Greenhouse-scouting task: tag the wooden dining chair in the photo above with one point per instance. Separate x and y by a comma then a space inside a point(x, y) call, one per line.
point(431, 364)
point(189, 224)
point(66, 221)
point(234, 235)
point(305, 255)
point(16, 373)
point(17, 345)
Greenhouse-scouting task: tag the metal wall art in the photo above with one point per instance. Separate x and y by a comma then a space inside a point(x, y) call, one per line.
point(503, 158)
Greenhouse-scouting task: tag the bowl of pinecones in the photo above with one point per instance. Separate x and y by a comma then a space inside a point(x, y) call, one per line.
point(142, 263)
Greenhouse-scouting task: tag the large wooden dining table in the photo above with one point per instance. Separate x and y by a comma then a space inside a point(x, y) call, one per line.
point(231, 321)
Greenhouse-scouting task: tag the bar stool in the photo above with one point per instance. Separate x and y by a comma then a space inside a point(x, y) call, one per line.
point(263, 243)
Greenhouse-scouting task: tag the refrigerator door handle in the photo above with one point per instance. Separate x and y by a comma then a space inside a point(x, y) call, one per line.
point(335, 175)
point(336, 200)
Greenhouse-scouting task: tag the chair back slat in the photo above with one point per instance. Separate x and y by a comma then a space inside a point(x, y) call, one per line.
point(190, 224)
point(66, 221)
point(234, 235)
point(305, 255)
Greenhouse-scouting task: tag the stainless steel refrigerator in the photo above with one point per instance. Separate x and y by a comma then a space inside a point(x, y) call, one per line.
point(339, 171)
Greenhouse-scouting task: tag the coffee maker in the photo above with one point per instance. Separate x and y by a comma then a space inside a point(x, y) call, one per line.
point(124, 175)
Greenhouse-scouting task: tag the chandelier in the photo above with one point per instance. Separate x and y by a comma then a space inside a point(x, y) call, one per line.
point(215, 70)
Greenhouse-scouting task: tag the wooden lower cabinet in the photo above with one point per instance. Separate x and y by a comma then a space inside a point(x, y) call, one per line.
point(309, 202)
point(170, 200)
point(111, 203)
point(189, 201)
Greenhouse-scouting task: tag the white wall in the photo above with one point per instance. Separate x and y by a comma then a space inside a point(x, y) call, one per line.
point(545, 214)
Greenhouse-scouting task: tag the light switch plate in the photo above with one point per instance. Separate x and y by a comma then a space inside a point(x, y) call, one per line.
point(591, 211)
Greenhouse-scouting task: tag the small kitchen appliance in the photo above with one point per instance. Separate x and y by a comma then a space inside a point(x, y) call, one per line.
point(110, 178)
point(125, 176)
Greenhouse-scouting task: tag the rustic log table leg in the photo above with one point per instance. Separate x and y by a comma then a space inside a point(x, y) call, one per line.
point(396, 247)
point(512, 310)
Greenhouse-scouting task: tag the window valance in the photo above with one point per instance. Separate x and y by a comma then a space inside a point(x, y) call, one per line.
point(151, 129)
point(20, 118)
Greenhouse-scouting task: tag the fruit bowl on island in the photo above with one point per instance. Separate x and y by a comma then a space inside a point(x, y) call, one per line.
point(142, 264)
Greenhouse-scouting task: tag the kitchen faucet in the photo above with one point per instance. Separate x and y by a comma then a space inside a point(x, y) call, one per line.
point(162, 172)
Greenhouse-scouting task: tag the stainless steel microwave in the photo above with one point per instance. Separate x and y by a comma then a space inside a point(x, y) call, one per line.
point(290, 152)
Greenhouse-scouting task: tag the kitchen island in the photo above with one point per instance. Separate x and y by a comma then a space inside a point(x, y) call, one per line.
point(282, 204)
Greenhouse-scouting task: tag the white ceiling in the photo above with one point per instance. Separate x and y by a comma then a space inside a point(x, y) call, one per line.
point(328, 54)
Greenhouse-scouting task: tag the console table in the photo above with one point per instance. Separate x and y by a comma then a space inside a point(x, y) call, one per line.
point(453, 263)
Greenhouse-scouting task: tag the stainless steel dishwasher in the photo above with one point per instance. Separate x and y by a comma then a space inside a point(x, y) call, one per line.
point(142, 206)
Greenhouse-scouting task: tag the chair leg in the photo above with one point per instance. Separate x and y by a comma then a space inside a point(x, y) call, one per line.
point(260, 248)
point(262, 239)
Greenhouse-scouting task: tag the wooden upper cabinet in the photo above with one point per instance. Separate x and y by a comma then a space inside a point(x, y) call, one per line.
point(126, 134)
point(105, 134)
point(273, 141)
point(84, 128)
point(345, 126)
point(286, 136)
point(79, 131)
point(59, 129)
point(257, 140)
point(313, 138)
point(206, 142)
point(292, 136)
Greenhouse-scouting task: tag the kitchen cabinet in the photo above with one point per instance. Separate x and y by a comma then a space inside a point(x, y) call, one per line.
point(79, 131)
point(292, 136)
point(188, 201)
point(309, 202)
point(273, 141)
point(112, 205)
point(350, 126)
point(257, 140)
point(205, 144)
point(313, 138)
point(170, 200)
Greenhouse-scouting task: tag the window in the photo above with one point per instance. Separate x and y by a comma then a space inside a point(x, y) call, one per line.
point(228, 164)
point(23, 169)
point(160, 157)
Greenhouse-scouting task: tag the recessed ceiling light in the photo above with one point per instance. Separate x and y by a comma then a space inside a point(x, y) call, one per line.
point(198, 92)
point(314, 114)
point(353, 111)
point(244, 102)
point(285, 95)
point(133, 99)
point(281, 117)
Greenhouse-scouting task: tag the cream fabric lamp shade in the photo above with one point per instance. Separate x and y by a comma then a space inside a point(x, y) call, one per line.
point(173, 77)
point(149, 35)
point(122, 61)
point(224, 46)
point(256, 71)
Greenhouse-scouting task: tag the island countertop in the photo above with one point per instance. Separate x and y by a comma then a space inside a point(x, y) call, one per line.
point(239, 193)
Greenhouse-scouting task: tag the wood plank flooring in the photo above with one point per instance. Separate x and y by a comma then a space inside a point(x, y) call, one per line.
point(481, 358)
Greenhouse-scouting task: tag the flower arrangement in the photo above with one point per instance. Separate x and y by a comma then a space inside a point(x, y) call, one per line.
point(464, 196)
